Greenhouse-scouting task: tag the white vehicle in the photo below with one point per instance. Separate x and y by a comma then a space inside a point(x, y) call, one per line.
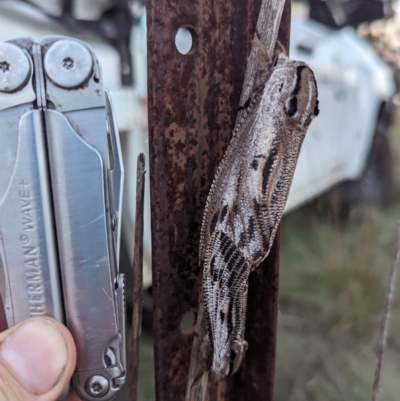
point(355, 92)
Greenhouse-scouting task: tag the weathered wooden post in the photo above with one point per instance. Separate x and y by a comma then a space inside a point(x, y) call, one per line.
point(192, 109)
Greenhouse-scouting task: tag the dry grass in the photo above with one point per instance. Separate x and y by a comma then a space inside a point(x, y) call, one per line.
point(333, 281)
point(332, 295)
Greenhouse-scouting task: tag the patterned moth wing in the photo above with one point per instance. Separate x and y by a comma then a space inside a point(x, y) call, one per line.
point(247, 199)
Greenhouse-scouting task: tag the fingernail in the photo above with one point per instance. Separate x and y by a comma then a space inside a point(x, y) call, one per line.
point(36, 354)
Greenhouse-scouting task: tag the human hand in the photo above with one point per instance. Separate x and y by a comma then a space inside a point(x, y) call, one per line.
point(37, 359)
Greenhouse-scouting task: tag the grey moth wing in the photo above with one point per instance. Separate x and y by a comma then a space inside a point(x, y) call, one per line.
point(247, 199)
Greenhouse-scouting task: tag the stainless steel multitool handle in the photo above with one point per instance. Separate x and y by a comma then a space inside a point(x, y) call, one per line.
point(61, 178)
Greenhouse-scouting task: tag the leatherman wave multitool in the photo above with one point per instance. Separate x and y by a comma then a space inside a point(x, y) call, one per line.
point(61, 178)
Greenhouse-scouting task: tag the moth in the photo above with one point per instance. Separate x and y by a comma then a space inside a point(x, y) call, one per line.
point(248, 196)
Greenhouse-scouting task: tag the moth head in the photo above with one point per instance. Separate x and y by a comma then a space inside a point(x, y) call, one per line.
point(297, 90)
point(230, 362)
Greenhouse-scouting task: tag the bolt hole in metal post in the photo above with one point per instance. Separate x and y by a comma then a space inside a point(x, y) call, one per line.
point(184, 39)
point(188, 323)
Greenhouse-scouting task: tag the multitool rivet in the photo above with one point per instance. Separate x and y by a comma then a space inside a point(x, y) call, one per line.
point(68, 64)
point(97, 386)
point(14, 67)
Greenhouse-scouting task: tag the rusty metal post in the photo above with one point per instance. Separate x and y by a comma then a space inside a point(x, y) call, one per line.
point(192, 109)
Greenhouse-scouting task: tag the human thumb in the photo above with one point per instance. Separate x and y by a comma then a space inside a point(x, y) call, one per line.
point(37, 359)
